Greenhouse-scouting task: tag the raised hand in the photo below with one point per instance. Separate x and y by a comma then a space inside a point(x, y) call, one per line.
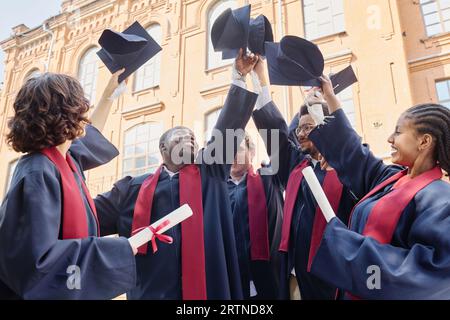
point(113, 83)
point(329, 95)
point(245, 63)
point(259, 69)
point(327, 87)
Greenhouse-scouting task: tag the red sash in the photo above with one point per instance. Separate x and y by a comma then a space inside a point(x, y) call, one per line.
point(333, 190)
point(385, 214)
point(192, 244)
point(75, 224)
point(258, 216)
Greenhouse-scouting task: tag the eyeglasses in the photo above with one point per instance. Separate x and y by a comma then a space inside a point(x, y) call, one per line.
point(306, 128)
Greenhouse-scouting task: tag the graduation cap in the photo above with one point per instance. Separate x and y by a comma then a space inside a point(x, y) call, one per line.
point(298, 62)
point(129, 49)
point(294, 62)
point(343, 79)
point(260, 32)
point(230, 31)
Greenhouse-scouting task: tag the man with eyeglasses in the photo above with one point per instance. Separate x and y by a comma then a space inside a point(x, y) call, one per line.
point(303, 222)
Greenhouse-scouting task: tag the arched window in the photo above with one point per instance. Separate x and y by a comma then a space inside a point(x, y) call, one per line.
point(149, 74)
point(141, 149)
point(215, 58)
point(87, 73)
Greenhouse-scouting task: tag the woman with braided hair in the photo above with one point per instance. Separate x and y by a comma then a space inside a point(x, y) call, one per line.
point(397, 245)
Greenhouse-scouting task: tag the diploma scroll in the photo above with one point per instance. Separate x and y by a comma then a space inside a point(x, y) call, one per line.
point(169, 221)
point(319, 194)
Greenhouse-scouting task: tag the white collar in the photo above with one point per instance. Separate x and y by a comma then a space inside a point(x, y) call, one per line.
point(170, 173)
point(238, 182)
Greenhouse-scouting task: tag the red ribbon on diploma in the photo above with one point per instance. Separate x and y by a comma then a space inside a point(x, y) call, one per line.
point(161, 237)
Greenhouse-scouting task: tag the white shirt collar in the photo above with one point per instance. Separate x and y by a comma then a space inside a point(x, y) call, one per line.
point(238, 182)
point(170, 173)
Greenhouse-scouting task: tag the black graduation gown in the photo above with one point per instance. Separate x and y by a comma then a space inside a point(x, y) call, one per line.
point(264, 274)
point(34, 262)
point(159, 275)
point(288, 155)
point(416, 263)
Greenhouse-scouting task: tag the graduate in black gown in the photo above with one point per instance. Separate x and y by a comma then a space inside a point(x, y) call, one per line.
point(302, 219)
point(398, 242)
point(49, 233)
point(257, 208)
point(201, 263)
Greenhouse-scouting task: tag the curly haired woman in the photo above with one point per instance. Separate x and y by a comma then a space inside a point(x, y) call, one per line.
point(49, 239)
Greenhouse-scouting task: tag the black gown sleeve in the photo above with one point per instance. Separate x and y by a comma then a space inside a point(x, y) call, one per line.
point(284, 153)
point(341, 146)
point(92, 150)
point(220, 152)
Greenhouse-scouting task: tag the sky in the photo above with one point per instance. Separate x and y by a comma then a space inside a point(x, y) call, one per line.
point(29, 12)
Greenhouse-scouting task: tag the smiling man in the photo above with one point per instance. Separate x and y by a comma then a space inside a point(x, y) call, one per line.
point(302, 220)
point(202, 262)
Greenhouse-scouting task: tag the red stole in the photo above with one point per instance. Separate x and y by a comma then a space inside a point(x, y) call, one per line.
point(75, 224)
point(385, 214)
point(192, 244)
point(257, 216)
point(333, 190)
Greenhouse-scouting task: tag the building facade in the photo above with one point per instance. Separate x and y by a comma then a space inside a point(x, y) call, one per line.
point(400, 50)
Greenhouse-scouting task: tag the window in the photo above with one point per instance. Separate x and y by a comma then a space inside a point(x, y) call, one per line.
point(210, 122)
point(346, 98)
point(141, 150)
point(323, 17)
point(12, 166)
point(87, 73)
point(436, 16)
point(443, 92)
point(215, 58)
point(148, 75)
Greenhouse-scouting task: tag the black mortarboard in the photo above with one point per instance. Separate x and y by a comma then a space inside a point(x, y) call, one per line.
point(343, 79)
point(260, 32)
point(129, 49)
point(294, 62)
point(230, 31)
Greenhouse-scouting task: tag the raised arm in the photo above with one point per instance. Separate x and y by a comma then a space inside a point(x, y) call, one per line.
point(341, 146)
point(94, 150)
point(236, 112)
point(103, 108)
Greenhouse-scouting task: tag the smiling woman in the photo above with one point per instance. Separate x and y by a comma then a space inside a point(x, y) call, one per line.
point(400, 226)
